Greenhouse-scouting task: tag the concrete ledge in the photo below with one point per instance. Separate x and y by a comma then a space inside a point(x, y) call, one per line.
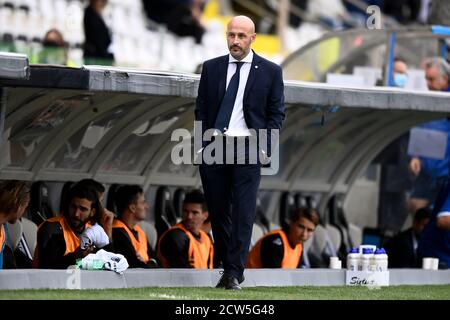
point(138, 278)
point(14, 66)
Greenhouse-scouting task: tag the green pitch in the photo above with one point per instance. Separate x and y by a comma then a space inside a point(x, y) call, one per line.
point(427, 292)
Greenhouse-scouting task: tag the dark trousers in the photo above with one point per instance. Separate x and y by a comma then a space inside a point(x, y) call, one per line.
point(230, 192)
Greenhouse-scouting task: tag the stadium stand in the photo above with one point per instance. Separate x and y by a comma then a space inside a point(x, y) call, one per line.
point(137, 41)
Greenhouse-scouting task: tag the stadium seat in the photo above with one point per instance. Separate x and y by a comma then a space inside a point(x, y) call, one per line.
point(321, 249)
point(14, 234)
point(337, 220)
point(257, 233)
point(305, 254)
point(355, 233)
point(30, 233)
point(110, 202)
point(274, 226)
point(164, 212)
point(150, 231)
point(178, 198)
point(261, 218)
point(307, 244)
point(22, 241)
point(304, 201)
point(351, 233)
point(311, 202)
point(39, 208)
point(335, 235)
point(286, 206)
point(300, 200)
point(64, 192)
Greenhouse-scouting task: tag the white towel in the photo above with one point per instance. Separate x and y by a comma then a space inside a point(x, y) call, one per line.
point(111, 261)
point(94, 235)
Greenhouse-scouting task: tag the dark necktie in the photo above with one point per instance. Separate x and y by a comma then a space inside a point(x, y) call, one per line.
point(226, 108)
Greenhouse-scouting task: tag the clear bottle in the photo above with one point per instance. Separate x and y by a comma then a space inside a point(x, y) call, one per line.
point(353, 259)
point(89, 264)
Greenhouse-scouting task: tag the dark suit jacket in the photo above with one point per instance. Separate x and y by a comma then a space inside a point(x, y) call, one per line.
point(263, 102)
point(401, 252)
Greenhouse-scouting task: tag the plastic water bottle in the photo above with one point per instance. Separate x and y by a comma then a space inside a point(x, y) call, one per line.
point(375, 261)
point(353, 259)
point(381, 260)
point(89, 264)
point(366, 256)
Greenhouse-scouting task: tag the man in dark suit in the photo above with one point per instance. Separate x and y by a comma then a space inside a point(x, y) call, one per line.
point(239, 94)
point(402, 249)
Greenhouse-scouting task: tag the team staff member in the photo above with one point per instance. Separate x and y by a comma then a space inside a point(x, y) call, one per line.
point(432, 173)
point(402, 249)
point(129, 239)
point(238, 94)
point(58, 238)
point(186, 245)
point(106, 216)
point(435, 237)
point(283, 248)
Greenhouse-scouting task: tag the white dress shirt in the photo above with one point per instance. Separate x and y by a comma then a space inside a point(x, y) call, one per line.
point(237, 125)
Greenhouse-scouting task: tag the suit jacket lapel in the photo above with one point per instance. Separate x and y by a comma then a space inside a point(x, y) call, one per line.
point(252, 75)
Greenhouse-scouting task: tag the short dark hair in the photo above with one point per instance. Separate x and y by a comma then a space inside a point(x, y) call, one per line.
point(126, 195)
point(196, 196)
point(91, 183)
point(81, 192)
point(308, 213)
point(422, 214)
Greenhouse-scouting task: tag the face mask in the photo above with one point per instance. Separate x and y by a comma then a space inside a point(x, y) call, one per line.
point(51, 43)
point(400, 80)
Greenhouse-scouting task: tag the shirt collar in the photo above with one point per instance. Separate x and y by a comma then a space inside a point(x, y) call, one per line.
point(248, 58)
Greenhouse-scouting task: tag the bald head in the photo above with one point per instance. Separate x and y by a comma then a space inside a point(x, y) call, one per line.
point(242, 22)
point(240, 36)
